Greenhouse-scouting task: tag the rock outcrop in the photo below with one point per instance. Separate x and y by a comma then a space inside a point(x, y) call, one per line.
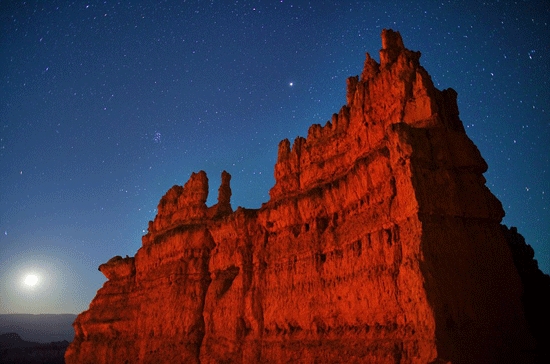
point(536, 291)
point(380, 244)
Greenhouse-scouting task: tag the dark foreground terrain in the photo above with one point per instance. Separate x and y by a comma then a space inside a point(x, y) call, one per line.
point(13, 349)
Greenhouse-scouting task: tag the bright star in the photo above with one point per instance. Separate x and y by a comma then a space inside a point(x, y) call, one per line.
point(291, 84)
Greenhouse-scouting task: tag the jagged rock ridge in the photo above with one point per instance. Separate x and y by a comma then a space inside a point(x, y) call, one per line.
point(380, 243)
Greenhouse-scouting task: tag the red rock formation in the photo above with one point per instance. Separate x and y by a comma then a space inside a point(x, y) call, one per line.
point(380, 244)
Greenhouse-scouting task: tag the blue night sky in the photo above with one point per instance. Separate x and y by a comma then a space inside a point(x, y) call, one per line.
point(104, 105)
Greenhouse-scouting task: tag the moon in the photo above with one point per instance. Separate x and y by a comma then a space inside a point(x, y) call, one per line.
point(31, 280)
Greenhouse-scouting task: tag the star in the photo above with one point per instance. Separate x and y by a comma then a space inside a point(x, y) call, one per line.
point(184, 93)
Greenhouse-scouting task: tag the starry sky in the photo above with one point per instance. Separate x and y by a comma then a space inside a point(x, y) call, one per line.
point(104, 105)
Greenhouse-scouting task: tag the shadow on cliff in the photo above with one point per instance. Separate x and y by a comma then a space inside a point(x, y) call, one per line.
point(536, 291)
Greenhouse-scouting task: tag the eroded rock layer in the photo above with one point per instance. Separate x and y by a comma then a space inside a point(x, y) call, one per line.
point(380, 244)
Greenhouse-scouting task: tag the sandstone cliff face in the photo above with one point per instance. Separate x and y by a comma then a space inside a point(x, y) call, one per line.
point(380, 243)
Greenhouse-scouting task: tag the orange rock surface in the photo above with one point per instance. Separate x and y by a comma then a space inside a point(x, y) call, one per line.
point(380, 244)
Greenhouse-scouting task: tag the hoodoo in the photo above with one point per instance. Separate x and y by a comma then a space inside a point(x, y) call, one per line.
point(380, 243)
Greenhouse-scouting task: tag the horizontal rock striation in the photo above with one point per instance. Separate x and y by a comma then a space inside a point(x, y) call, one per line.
point(380, 244)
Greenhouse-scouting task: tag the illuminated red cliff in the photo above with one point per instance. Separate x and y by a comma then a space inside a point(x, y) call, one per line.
point(380, 244)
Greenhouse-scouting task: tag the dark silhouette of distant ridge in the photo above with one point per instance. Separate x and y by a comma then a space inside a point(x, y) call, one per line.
point(43, 328)
point(13, 349)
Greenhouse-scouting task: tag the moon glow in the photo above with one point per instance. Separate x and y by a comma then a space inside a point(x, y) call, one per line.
point(31, 280)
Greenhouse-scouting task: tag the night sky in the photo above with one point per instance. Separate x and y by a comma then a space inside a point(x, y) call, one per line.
point(104, 105)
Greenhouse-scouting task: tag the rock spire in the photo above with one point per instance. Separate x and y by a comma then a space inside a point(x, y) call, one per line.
point(380, 243)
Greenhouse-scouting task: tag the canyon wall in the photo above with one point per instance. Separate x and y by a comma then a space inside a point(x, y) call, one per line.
point(380, 243)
